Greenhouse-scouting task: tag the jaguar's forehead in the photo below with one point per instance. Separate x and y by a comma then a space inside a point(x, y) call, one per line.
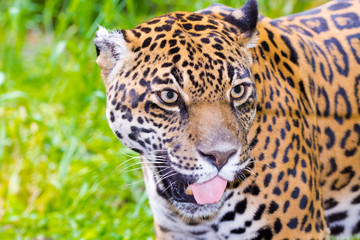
point(199, 53)
point(185, 24)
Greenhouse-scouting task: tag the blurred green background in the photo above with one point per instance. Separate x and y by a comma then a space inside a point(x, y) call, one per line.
point(61, 172)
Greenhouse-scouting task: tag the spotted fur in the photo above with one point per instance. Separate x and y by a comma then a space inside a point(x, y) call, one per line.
point(271, 105)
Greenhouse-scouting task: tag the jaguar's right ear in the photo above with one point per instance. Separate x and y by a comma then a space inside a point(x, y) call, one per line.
point(245, 19)
point(111, 50)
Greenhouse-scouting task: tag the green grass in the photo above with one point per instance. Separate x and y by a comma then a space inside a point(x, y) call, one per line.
point(60, 165)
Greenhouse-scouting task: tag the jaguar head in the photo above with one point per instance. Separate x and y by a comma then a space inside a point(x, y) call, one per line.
point(180, 92)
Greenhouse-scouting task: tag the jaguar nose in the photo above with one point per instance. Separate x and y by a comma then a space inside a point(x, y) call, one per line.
point(217, 158)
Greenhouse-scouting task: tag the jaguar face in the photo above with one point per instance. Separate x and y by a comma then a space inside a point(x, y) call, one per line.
point(181, 93)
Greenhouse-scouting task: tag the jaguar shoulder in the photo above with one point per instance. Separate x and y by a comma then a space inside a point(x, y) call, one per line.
point(248, 127)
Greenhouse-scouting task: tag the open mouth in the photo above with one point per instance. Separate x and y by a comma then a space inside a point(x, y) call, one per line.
point(178, 191)
point(174, 186)
point(209, 192)
point(183, 189)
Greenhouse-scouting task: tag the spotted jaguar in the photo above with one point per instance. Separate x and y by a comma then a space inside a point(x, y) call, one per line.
point(248, 127)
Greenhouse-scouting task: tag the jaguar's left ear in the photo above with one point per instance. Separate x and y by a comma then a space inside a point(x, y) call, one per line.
point(111, 49)
point(245, 19)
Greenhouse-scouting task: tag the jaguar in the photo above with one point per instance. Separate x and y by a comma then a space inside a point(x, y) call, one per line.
point(248, 127)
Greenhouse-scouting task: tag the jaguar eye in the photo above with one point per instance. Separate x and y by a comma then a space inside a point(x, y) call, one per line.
point(168, 96)
point(237, 91)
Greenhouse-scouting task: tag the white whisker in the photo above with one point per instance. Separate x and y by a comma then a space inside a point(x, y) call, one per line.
point(167, 175)
point(168, 187)
point(163, 168)
point(133, 183)
point(141, 163)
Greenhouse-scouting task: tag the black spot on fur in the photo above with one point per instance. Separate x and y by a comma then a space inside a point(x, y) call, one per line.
point(273, 207)
point(292, 224)
point(146, 42)
point(238, 230)
point(336, 230)
point(356, 229)
point(112, 117)
point(293, 52)
point(303, 202)
point(356, 200)
point(335, 217)
point(277, 225)
point(264, 234)
point(259, 212)
point(253, 189)
point(229, 216)
point(241, 206)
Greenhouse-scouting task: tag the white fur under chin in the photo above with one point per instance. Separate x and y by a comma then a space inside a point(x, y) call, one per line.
point(196, 211)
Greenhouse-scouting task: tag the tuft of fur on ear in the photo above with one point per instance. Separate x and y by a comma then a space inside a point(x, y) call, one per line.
point(245, 19)
point(110, 49)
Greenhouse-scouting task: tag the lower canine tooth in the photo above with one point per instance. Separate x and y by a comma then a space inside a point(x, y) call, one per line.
point(189, 190)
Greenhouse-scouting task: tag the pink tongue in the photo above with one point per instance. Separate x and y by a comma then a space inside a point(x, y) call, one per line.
point(210, 191)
